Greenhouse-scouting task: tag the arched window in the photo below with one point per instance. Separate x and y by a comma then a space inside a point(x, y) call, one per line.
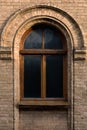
point(43, 66)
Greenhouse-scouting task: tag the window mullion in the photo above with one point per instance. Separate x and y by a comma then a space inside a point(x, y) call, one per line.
point(43, 77)
point(42, 39)
point(43, 71)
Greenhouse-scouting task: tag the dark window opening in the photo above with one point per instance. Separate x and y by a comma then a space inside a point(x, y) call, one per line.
point(43, 64)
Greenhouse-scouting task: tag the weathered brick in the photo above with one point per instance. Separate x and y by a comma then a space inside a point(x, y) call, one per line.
point(10, 116)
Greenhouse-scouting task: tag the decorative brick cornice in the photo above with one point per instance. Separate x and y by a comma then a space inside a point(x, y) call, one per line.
point(5, 53)
point(79, 54)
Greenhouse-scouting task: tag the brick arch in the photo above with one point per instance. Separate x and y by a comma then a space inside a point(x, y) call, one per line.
point(23, 17)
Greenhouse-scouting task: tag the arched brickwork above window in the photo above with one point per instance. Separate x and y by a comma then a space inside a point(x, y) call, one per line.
point(25, 18)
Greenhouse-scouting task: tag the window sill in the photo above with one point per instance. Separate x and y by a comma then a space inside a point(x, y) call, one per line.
point(43, 105)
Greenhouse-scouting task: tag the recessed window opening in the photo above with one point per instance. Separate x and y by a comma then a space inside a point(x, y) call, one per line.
point(43, 63)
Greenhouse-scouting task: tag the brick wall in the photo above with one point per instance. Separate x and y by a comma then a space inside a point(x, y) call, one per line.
point(10, 116)
point(40, 120)
point(6, 95)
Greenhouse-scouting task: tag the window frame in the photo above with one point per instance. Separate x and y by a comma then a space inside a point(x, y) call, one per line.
point(43, 100)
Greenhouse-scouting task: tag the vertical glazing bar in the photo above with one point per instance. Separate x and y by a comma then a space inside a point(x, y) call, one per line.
point(43, 82)
point(43, 71)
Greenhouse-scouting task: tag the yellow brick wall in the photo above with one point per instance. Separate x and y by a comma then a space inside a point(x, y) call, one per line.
point(10, 115)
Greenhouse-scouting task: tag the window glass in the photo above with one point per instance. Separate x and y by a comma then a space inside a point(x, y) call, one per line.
point(54, 76)
point(52, 39)
point(32, 76)
point(33, 40)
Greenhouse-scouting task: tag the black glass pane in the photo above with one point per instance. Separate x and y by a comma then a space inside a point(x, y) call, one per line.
point(52, 39)
point(33, 40)
point(32, 76)
point(54, 76)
